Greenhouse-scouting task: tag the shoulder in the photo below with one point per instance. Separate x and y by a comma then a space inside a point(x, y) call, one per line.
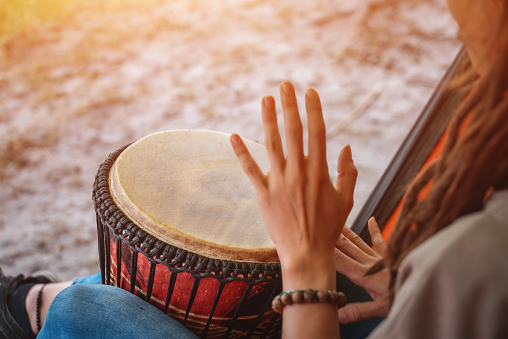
point(455, 284)
point(474, 244)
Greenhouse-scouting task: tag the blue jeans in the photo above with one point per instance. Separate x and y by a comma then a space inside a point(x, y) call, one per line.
point(88, 309)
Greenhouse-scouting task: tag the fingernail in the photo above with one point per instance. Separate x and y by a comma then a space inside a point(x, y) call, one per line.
point(311, 93)
point(348, 150)
point(235, 139)
point(287, 87)
point(267, 101)
point(342, 317)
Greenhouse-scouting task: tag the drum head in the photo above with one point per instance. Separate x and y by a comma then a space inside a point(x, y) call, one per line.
point(187, 188)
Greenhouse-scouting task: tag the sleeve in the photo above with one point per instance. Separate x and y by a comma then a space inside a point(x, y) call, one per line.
point(454, 287)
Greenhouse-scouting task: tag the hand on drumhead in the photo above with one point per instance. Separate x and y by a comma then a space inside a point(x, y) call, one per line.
point(303, 211)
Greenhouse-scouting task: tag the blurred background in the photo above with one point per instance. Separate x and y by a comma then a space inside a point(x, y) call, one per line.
point(79, 79)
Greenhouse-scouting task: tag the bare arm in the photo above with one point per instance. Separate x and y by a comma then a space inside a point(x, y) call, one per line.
point(304, 213)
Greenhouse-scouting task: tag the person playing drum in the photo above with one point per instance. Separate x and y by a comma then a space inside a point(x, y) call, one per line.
point(427, 282)
point(443, 274)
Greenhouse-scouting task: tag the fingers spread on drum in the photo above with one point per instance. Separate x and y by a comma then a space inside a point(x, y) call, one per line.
point(317, 132)
point(347, 174)
point(292, 125)
point(303, 212)
point(273, 141)
point(249, 165)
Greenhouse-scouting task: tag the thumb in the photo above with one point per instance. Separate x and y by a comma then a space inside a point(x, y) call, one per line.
point(355, 312)
point(346, 179)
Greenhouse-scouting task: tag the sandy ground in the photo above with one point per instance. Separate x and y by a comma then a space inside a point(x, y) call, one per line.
point(76, 90)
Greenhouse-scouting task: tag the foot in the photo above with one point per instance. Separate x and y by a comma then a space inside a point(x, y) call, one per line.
point(9, 327)
point(49, 293)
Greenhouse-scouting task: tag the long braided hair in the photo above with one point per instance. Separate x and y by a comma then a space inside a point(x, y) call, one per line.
point(469, 166)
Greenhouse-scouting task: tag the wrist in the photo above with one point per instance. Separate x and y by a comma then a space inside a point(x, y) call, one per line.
point(309, 271)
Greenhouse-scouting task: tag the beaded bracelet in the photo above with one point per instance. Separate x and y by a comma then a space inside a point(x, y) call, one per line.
point(307, 297)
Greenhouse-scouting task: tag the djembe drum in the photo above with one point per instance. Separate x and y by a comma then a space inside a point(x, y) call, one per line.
point(178, 226)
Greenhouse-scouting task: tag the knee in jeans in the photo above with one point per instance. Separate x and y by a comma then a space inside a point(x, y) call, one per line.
point(71, 302)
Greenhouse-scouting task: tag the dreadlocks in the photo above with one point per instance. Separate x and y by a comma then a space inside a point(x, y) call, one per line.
point(468, 167)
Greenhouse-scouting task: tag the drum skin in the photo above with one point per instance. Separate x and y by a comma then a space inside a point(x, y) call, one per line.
point(211, 289)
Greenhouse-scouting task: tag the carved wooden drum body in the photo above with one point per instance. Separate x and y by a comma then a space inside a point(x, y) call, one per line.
point(179, 227)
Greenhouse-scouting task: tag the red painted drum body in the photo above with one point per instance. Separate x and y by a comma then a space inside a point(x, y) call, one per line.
point(179, 227)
